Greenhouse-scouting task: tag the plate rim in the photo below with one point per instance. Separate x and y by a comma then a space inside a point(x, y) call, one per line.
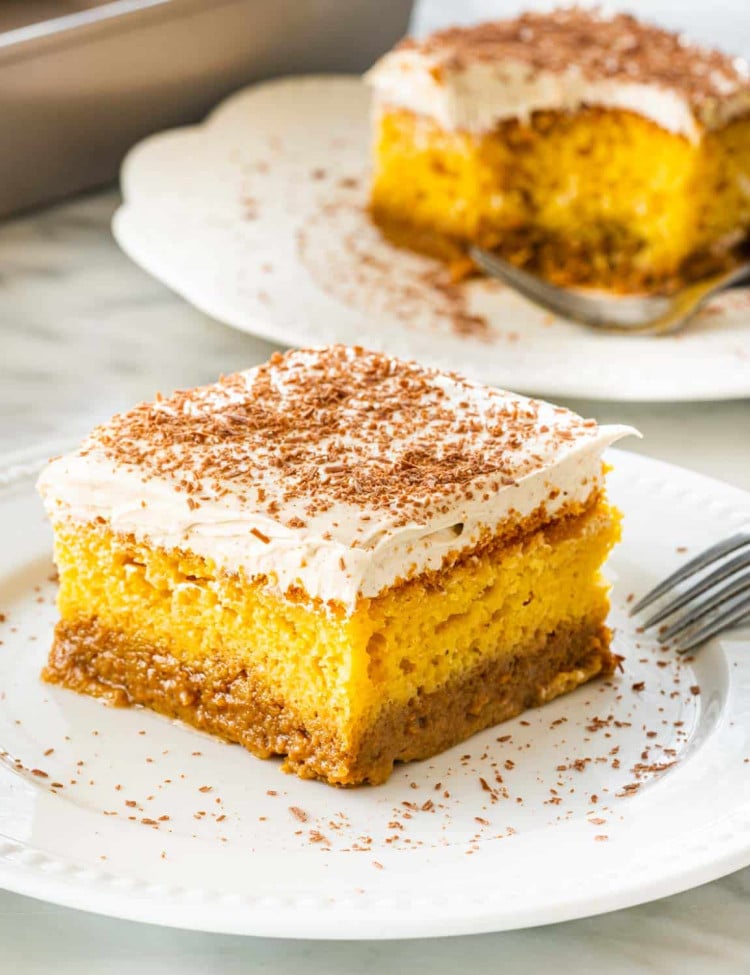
point(266, 328)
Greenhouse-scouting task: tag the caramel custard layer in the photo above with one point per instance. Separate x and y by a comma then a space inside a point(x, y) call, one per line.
point(234, 703)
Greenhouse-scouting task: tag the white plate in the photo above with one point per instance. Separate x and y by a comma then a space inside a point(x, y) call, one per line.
point(241, 857)
point(257, 217)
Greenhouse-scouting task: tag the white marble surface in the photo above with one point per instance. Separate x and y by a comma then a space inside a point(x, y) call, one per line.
point(84, 333)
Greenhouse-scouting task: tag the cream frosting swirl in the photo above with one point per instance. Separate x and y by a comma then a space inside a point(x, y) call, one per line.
point(473, 78)
point(342, 547)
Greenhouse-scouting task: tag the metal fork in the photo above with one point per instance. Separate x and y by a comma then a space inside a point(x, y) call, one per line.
point(713, 603)
point(657, 314)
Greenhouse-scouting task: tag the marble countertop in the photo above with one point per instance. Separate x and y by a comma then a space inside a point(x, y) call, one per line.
point(85, 333)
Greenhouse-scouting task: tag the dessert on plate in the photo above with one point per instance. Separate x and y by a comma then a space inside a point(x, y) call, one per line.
point(337, 557)
point(593, 150)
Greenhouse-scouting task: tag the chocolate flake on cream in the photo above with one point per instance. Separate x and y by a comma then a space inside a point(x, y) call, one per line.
point(471, 78)
point(335, 471)
point(617, 47)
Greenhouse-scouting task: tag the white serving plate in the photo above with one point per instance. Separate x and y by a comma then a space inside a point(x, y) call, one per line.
point(258, 218)
point(463, 859)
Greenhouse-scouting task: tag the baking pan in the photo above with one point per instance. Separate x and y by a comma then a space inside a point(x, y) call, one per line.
point(77, 90)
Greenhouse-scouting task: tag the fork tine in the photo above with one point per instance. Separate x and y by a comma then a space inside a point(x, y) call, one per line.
point(729, 568)
point(739, 611)
point(529, 285)
point(721, 597)
point(700, 561)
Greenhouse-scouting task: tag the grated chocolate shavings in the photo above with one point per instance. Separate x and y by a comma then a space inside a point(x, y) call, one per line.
point(603, 48)
point(336, 426)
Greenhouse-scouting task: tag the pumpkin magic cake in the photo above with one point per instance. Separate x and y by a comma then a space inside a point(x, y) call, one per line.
point(593, 150)
point(337, 557)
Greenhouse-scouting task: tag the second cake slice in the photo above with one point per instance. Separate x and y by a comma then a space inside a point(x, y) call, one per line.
point(591, 149)
point(337, 557)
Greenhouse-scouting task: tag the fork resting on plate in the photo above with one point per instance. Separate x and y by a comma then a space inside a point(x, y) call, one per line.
point(710, 603)
point(648, 314)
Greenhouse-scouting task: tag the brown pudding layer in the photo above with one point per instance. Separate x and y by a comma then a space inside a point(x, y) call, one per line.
point(236, 704)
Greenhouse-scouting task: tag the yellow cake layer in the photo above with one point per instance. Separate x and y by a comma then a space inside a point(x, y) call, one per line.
point(594, 196)
point(411, 640)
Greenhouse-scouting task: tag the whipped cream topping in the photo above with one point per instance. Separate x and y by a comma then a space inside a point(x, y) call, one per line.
point(335, 471)
point(471, 79)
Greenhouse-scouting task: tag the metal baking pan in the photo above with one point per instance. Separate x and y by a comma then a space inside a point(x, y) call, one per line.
point(77, 90)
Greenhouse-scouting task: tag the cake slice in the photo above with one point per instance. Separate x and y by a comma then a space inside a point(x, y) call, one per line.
point(593, 150)
point(336, 557)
